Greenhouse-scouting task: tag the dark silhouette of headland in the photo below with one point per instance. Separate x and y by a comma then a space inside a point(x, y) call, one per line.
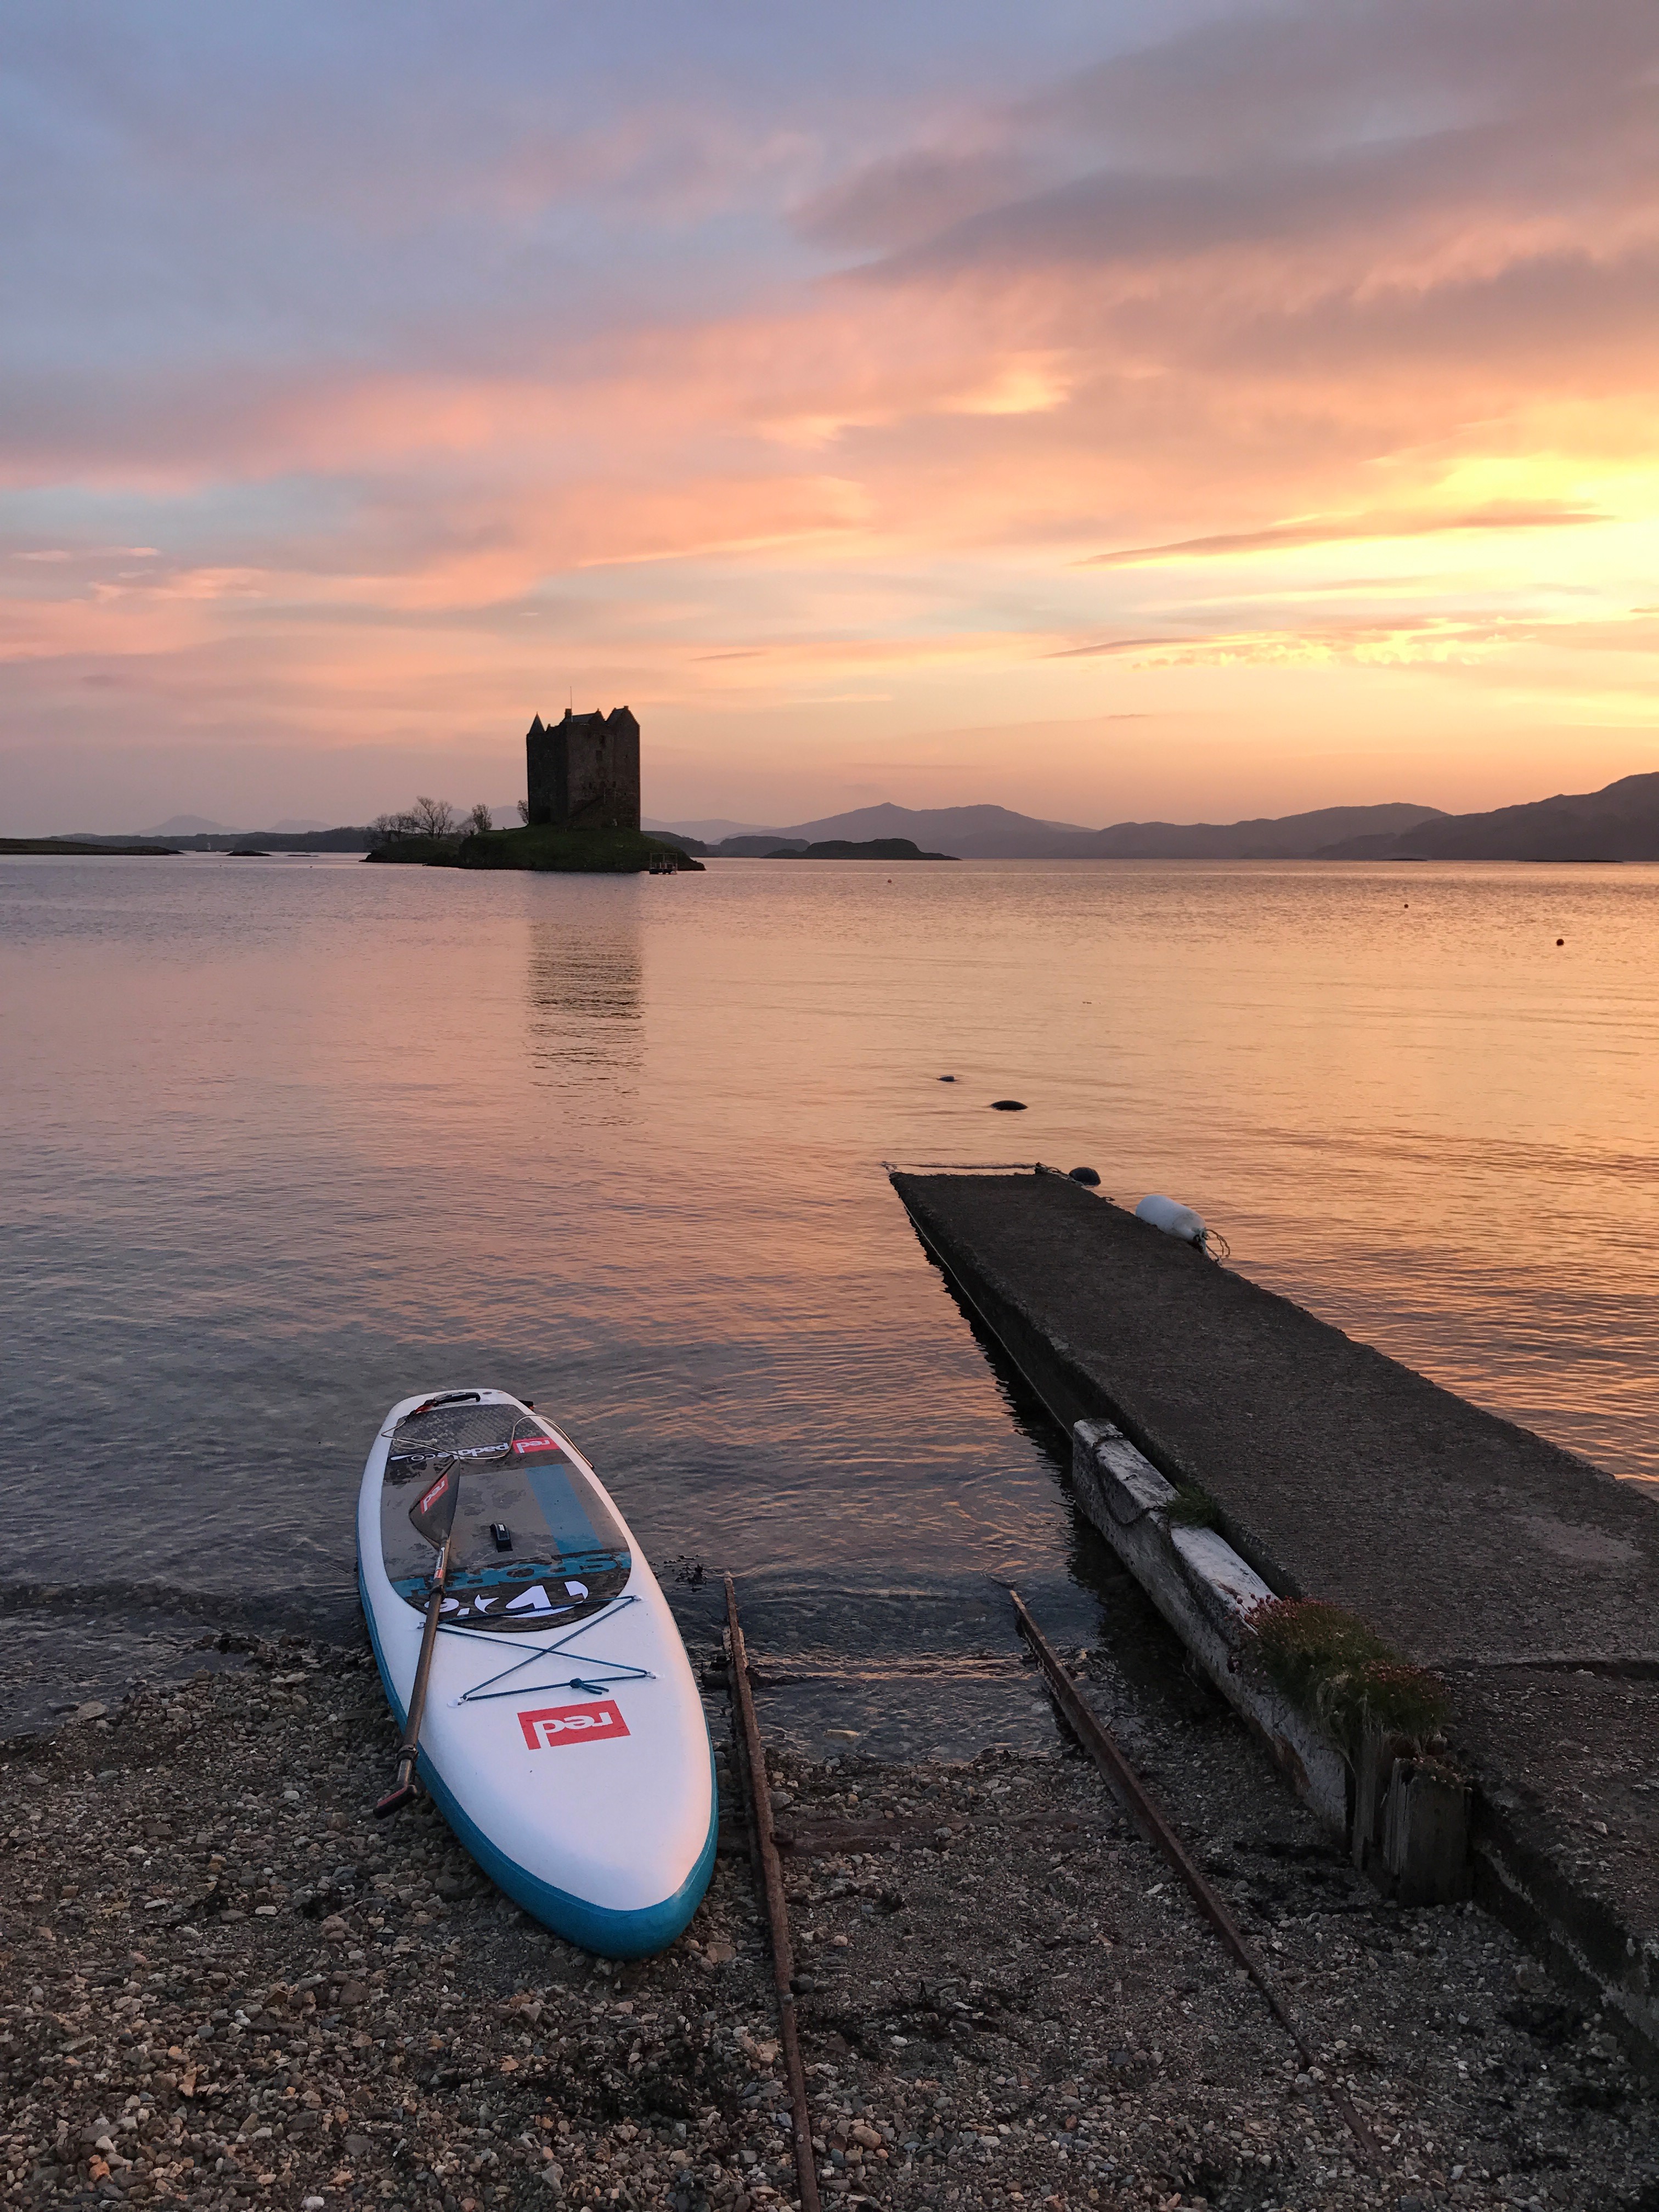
point(847, 848)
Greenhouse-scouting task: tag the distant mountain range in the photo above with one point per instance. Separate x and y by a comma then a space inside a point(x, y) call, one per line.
point(994, 833)
point(197, 825)
point(1619, 823)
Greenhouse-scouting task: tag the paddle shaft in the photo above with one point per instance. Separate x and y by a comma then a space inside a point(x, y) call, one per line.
point(403, 1788)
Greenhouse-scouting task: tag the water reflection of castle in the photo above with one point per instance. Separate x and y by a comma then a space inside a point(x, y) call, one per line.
point(583, 772)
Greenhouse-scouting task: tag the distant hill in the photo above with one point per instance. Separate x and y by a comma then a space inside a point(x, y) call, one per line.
point(979, 833)
point(705, 832)
point(1619, 823)
point(1287, 838)
point(197, 825)
point(995, 833)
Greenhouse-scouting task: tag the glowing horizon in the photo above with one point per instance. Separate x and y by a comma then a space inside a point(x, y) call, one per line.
point(1220, 413)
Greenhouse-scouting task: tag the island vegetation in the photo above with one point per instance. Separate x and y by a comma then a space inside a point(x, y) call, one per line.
point(432, 835)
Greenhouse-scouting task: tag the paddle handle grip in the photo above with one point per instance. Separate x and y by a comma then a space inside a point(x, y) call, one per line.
point(401, 1793)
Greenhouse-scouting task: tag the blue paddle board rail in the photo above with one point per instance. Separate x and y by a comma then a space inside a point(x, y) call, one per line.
point(596, 1928)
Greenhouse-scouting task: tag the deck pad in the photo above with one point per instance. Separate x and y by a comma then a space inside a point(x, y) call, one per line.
point(564, 1553)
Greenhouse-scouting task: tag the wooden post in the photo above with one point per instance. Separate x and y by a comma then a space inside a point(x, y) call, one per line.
point(1373, 1772)
point(1425, 1833)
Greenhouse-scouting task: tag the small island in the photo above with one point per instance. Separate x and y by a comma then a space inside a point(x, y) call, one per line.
point(845, 848)
point(544, 851)
point(581, 812)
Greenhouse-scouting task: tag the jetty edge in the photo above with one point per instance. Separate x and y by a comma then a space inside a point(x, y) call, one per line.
point(1525, 1579)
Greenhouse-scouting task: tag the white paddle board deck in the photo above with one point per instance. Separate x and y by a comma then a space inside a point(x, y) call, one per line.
point(563, 1738)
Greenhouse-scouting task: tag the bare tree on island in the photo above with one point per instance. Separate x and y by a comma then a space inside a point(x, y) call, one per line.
point(427, 817)
point(434, 818)
point(479, 820)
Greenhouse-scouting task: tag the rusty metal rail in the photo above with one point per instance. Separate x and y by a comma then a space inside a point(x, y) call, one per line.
point(770, 1873)
point(1149, 1820)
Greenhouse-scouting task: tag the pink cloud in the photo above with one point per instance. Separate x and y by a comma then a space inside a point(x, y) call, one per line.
point(1300, 284)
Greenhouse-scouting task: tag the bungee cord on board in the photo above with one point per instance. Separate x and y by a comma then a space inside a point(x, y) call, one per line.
point(594, 1682)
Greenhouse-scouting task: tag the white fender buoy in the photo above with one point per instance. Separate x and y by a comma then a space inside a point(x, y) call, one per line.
point(1174, 1219)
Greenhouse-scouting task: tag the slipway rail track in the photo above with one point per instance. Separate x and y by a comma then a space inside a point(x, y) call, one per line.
point(758, 1796)
point(1147, 1817)
point(1141, 1809)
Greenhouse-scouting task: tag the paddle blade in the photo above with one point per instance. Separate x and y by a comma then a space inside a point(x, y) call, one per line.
point(433, 1513)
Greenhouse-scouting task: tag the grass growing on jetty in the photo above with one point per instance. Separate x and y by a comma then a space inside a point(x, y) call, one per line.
point(1193, 1507)
point(1340, 1672)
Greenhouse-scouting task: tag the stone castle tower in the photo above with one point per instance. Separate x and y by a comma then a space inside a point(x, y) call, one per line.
point(583, 772)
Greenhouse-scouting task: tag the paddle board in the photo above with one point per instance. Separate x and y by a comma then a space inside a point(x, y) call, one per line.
point(563, 1739)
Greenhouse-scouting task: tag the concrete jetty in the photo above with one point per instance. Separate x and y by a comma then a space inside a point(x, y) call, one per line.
point(1526, 1578)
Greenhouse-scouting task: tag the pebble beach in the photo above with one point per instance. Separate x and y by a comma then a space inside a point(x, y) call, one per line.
point(225, 1984)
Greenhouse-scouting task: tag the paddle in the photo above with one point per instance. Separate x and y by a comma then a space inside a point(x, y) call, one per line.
point(432, 1514)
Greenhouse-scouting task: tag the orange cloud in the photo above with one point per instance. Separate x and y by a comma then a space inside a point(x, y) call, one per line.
point(1343, 529)
point(1294, 284)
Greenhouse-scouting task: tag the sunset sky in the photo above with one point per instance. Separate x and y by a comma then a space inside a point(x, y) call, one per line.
point(1149, 410)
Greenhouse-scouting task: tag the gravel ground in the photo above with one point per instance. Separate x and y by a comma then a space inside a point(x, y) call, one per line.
point(225, 1984)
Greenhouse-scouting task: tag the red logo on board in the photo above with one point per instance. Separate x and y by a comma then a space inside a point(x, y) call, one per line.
point(551, 1726)
point(534, 1444)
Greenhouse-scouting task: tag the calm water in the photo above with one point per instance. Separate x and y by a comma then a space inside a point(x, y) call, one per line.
point(286, 1140)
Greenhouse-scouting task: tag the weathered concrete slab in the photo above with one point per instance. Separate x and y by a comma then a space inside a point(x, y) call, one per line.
point(1339, 1473)
point(1529, 1578)
point(1565, 1764)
